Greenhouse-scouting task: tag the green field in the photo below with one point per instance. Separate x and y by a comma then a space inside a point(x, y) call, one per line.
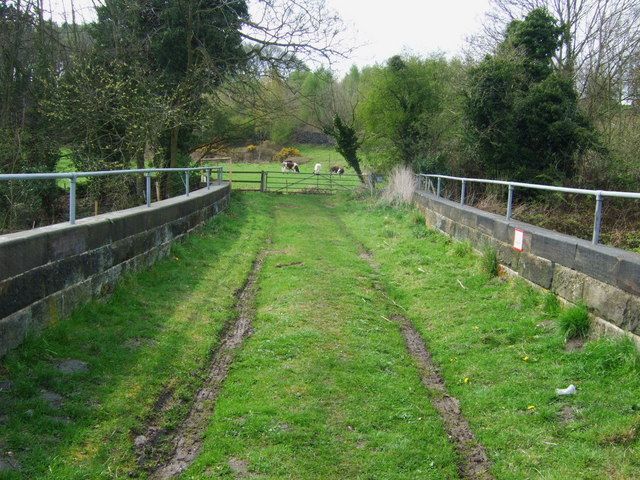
point(324, 388)
point(246, 176)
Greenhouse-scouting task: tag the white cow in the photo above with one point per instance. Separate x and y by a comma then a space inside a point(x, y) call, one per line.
point(316, 169)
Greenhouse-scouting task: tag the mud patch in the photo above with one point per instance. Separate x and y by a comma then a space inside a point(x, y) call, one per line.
point(137, 342)
point(474, 461)
point(566, 415)
point(574, 344)
point(149, 443)
point(240, 468)
point(367, 256)
point(624, 437)
point(291, 264)
point(8, 463)
point(71, 366)
point(51, 398)
point(187, 440)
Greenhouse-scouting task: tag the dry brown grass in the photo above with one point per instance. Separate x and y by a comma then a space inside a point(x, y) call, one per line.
point(402, 185)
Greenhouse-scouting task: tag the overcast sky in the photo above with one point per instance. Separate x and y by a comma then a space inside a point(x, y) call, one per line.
point(382, 29)
point(414, 26)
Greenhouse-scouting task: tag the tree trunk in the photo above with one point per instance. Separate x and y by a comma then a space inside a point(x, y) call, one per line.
point(173, 157)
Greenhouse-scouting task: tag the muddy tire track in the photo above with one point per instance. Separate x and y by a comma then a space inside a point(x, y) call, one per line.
point(473, 463)
point(187, 439)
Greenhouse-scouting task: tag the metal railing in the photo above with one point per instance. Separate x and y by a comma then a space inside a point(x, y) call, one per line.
point(423, 179)
point(73, 178)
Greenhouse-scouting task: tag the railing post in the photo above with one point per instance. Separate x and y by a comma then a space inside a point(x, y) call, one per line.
point(262, 181)
point(510, 202)
point(463, 191)
point(208, 175)
point(597, 221)
point(186, 183)
point(147, 178)
point(439, 188)
point(72, 200)
point(219, 174)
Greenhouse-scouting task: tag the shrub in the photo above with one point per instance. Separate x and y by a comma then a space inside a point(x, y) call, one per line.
point(462, 249)
point(574, 322)
point(402, 185)
point(608, 354)
point(251, 148)
point(287, 152)
point(551, 304)
point(417, 217)
point(489, 261)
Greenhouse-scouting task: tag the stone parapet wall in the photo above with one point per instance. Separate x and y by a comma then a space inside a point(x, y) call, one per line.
point(605, 279)
point(47, 272)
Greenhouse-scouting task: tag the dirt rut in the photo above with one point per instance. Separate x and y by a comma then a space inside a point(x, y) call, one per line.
point(474, 461)
point(187, 441)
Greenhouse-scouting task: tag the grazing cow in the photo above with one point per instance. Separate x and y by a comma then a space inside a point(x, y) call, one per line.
point(290, 166)
point(316, 169)
point(337, 169)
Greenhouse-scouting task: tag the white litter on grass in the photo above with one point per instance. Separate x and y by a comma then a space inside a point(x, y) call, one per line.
point(570, 390)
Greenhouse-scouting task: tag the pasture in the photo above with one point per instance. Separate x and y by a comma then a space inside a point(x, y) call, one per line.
point(325, 386)
point(246, 176)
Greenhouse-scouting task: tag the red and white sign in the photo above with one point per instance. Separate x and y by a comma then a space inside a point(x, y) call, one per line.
point(518, 240)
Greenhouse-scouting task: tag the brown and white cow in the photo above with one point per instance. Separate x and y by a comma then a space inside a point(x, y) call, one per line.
point(336, 169)
point(290, 166)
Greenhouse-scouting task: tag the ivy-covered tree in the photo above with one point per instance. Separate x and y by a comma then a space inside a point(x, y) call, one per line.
point(347, 143)
point(524, 118)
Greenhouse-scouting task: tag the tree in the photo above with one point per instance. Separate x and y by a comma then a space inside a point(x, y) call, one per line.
point(347, 143)
point(523, 117)
point(32, 49)
point(406, 111)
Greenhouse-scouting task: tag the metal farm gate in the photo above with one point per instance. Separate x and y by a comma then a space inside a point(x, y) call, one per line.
point(279, 182)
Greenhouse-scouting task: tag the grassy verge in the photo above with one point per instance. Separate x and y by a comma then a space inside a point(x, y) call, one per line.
point(324, 388)
point(502, 354)
point(151, 339)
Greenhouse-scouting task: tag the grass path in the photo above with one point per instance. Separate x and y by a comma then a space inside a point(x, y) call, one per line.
point(324, 387)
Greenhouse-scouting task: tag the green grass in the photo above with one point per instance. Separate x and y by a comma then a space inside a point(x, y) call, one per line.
point(490, 264)
point(574, 322)
point(66, 164)
point(246, 176)
point(324, 387)
point(326, 155)
point(502, 336)
point(154, 335)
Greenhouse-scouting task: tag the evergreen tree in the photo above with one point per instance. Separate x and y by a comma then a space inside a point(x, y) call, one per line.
point(524, 119)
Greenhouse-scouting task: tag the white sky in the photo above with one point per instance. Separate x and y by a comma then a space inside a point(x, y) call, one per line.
point(382, 29)
point(414, 26)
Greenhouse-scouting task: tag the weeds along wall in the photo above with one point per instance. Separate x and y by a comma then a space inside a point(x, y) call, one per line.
point(48, 272)
point(605, 279)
